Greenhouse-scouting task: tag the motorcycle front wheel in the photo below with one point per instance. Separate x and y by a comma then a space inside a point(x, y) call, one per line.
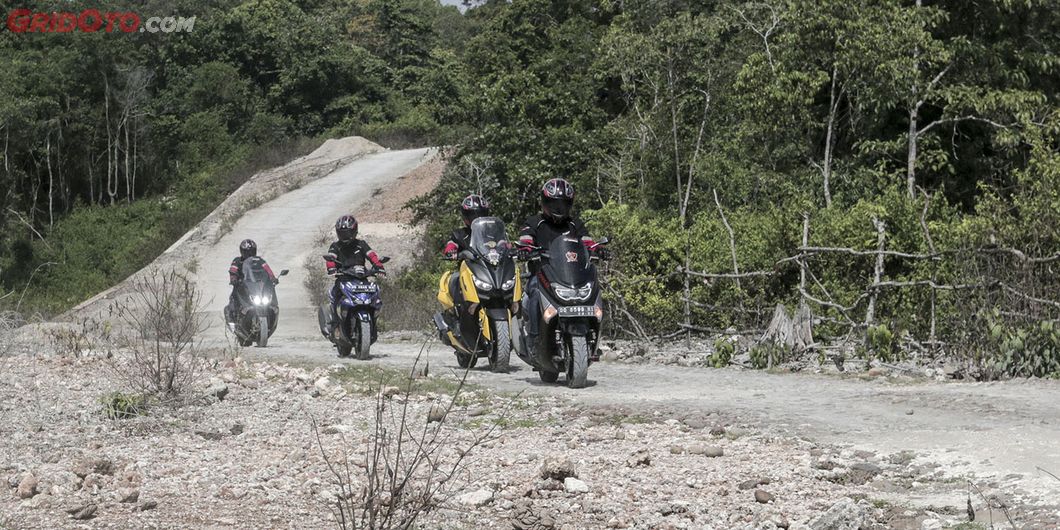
point(364, 340)
point(263, 331)
point(502, 347)
point(578, 364)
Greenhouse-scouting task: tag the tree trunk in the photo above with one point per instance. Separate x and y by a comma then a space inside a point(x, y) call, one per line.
point(910, 175)
point(51, 178)
point(827, 171)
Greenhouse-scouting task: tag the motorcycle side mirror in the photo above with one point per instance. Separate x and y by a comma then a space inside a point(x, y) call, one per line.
point(603, 241)
point(384, 259)
point(284, 272)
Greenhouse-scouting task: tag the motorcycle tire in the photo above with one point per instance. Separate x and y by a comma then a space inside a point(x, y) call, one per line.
point(578, 369)
point(364, 340)
point(344, 351)
point(502, 347)
point(548, 377)
point(465, 360)
point(263, 332)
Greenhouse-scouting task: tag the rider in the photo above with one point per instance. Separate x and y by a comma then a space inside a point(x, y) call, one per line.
point(349, 252)
point(247, 249)
point(471, 208)
point(556, 219)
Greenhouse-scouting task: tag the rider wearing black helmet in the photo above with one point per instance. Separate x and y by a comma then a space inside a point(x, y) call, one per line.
point(247, 249)
point(556, 218)
point(350, 251)
point(471, 208)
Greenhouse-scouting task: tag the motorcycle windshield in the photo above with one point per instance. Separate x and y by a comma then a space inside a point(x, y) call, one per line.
point(254, 271)
point(255, 279)
point(489, 239)
point(569, 262)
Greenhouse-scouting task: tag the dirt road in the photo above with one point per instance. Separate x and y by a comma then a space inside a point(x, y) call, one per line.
point(298, 225)
point(992, 431)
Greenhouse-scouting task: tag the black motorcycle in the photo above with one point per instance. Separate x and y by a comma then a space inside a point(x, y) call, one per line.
point(258, 310)
point(349, 321)
point(570, 312)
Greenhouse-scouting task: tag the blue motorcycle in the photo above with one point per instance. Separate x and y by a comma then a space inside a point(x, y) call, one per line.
point(350, 322)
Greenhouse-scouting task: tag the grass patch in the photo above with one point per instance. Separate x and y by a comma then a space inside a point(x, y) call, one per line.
point(121, 405)
point(367, 380)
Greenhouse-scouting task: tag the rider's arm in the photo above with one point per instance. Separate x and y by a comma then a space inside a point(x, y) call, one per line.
point(527, 237)
point(331, 265)
point(371, 255)
point(582, 233)
point(450, 248)
point(233, 272)
point(268, 270)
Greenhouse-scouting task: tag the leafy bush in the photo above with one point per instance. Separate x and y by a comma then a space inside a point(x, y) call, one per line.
point(1031, 350)
point(880, 344)
point(120, 405)
point(724, 348)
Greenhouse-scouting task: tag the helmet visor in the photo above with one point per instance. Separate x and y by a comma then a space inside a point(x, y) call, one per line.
point(559, 207)
point(346, 234)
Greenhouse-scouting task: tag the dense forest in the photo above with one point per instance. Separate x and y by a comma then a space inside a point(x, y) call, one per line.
point(713, 136)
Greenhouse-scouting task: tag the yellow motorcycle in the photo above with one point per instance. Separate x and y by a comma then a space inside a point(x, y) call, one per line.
point(480, 302)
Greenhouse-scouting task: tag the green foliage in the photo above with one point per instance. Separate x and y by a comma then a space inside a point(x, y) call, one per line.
point(880, 344)
point(724, 348)
point(120, 405)
point(1025, 351)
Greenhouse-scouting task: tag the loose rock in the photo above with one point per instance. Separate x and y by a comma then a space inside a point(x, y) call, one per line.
point(436, 414)
point(82, 512)
point(217, 390)
point(573, 485)
point(640, 458)
point(475, 498)
point(763, 497)
point(558, 468)
point(128, 494)
point(27, 487)
point(843, 515)
point(526, 517)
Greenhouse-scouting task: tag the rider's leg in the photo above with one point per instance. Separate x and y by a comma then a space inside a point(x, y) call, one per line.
point(231, 308)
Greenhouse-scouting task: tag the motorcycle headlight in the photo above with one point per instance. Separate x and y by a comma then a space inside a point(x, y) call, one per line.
point(570, 294)
point(485, 286)
point(261, 300)
point(508, 284)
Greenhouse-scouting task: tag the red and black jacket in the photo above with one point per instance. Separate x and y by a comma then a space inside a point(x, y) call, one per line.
point(352, 253)
point(459, 240)
point(235, 270)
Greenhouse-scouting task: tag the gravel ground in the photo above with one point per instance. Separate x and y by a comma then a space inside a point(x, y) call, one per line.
point(252, 459)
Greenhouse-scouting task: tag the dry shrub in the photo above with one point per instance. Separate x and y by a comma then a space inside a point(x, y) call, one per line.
point(316, 280)
point(161, 321)
point(410, 465)
point(9, 322)
point(79, 338)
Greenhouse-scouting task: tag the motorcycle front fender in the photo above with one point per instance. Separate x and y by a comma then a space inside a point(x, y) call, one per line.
point(575, 327)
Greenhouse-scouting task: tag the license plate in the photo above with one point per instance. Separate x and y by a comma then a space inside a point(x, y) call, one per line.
point(577, 311)
point(361, 287)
